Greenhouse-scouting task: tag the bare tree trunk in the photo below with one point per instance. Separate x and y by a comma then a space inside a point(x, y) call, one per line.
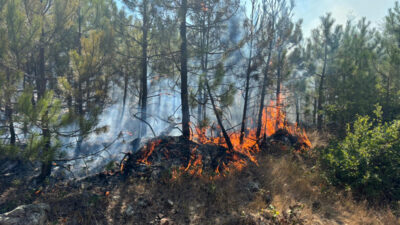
point(9, 112)
point(204, 71)
point(78, 84)
point(47, 162)
point(263, 91)
point(41, 83)
point(321, 90)
point(143, 79)
point(278, 89)
point(184, 72)
point(297, 110)
point(248, 72)
point(9, 115)
point(314, 116)
point(246, 100)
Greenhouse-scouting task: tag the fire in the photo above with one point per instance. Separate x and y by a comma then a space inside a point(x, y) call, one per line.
point(149, 148)
point(273, 119)
point(195, 165)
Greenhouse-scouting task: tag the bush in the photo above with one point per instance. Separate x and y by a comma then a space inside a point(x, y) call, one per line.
point(368, 159)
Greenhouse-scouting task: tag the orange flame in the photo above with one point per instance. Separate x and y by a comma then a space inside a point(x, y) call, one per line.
point(273, 119)
point(149, 148)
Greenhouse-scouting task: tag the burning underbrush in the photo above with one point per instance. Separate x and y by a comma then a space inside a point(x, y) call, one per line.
point(175, 156)
point(170, 157)
point(207, 154)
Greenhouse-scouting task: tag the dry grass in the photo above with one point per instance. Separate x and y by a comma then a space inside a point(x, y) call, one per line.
point(290, 180)
point(319, 139)
point(228, 200)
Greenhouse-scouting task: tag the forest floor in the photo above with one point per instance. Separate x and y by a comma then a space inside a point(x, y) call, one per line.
point(284, 188)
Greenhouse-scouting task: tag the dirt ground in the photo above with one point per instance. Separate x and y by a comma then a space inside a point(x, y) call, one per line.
point(282, 189)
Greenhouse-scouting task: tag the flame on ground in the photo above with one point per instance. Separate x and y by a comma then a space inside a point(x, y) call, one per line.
point(273, 119)
point(149, 150)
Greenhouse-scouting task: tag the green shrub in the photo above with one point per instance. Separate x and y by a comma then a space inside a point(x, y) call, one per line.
point(368, 159)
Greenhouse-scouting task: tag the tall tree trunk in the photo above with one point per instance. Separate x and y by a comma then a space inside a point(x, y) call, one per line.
point(184, 73)
point(207, 44)
point(314, 115)
point(199, 105)
point(9, 112)
point(69, 97)
point(143, 79)
point(321, 90)
point(203, 70)
point(246, 100)
point(278, 89)
point(47, 161)
point(78, 85)
point(9, 115)
point(41, 78)
point(41, 83)
point(248, 72)
point(246, 95)
point(263, 91)
point(297, 110)
point(126, 80)
point(219, 120)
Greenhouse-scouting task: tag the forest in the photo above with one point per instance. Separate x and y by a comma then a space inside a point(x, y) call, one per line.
point(197, 112)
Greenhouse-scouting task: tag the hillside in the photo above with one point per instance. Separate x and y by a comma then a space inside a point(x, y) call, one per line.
point(284, 188)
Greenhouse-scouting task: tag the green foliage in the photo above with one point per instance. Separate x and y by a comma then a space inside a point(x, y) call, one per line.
point(45, 114)
point(227, 91)
point(368, 159)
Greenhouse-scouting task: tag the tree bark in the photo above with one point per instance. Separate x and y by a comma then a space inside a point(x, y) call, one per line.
point(47, 162)
point(9, 112)
point(248, 72)
point(144, 63)
point(41, 83)
point(9, 115)
point(246, 99)
point(278, 89)
point(263, 91)
point(321, 90)
point(126, 80)
point(78, 85)
point(297, 109)
point(204, 72)
point(314, 116)
point(184, 72)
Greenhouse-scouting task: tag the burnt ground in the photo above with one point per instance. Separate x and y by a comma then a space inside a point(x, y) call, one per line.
point(284, 188)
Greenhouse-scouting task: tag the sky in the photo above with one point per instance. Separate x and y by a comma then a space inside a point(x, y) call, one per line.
point(311, 10)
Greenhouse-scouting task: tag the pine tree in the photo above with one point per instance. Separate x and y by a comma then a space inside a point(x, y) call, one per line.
point(273, 10)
